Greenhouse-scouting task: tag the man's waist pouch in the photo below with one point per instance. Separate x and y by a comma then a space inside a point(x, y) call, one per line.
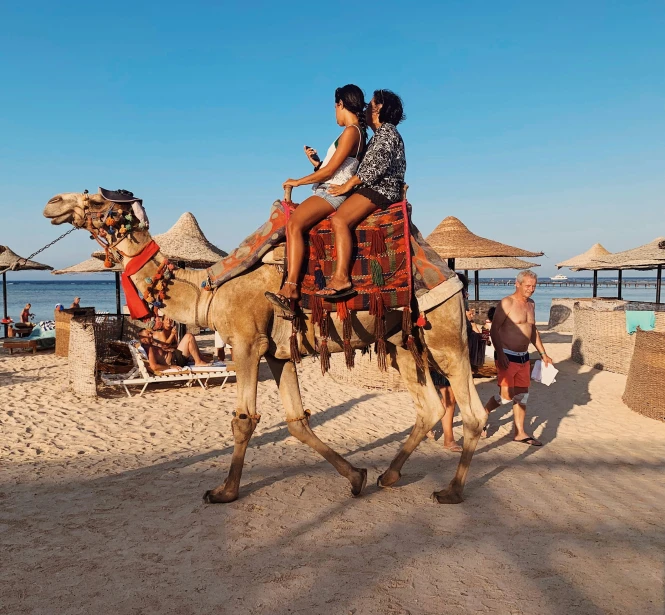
point(514, 358)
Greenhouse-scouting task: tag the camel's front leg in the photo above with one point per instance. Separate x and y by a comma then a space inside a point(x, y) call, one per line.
point(473, 415)
point(243, 424)
point(428, 406)
point(298, 423)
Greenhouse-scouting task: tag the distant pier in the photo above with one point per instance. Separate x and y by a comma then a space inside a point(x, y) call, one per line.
point(589, 283)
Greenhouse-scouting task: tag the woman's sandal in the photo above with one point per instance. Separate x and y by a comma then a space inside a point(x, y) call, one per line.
point(337, 295)
point(280, 301)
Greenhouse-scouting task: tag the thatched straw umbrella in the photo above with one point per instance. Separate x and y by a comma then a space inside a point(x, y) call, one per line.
point(496, 262)
point(584, 262)
point(453, 240)
point(646, 257)
point(185, 242)
point(10, 260)
point(94, 265)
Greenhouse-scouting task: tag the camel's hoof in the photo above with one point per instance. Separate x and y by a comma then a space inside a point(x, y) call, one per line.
point(388, 479)
point(359, 482)
point(447, 496)
point(210, 497)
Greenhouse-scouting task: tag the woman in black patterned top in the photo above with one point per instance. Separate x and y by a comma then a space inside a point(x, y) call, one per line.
point(378, 183)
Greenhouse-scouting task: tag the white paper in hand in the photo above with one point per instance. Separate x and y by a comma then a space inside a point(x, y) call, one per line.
point(545, 374)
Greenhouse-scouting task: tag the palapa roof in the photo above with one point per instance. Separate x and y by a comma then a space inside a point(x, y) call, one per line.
point(185, 241)
point(92, 265)
point(492, 262)
point(452, 239)
point(8, 258)
point(648, 256)
point(583, 261)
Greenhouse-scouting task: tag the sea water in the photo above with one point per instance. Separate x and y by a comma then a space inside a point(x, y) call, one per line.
point(100, 294)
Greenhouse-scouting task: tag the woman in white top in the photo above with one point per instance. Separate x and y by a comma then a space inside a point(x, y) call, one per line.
point(338, 167)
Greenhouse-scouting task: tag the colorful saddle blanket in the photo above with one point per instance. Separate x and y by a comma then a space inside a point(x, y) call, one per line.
point(382, 261)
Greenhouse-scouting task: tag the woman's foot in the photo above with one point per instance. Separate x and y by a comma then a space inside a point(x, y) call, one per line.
point(336, 286)
point(452, 446)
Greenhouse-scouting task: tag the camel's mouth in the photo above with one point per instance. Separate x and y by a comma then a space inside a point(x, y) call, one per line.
point(61, 219)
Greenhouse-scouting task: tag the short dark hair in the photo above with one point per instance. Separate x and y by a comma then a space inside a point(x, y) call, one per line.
point(490, 313)
point(392, 110)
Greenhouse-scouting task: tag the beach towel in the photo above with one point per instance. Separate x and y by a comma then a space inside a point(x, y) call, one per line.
point(644, 320)
point(44, 338)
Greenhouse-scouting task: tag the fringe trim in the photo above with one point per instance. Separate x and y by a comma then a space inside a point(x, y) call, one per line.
point(294, 346)
point(377, 273)
point(342, 311)
point(317, 310)
point(377, 243)
point(324, 352)
point(319, 245)
point(349, 353)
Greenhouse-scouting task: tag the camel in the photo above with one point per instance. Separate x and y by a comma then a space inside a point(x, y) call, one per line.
point(239, 311)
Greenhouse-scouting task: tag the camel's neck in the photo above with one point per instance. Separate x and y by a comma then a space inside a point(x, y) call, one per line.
point(185, 301)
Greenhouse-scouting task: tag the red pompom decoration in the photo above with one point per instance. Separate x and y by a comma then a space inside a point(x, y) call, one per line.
point(422, 321)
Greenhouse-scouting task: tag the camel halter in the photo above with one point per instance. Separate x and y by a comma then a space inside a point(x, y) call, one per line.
point(109, 239)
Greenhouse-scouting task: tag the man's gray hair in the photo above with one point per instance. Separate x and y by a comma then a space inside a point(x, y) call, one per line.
point(527, 273)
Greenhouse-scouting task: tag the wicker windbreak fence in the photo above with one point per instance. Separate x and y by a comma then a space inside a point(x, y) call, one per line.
point(600, 339)
point(365, 374)
point(82, 356)
point(644, 386)
point(62, 325)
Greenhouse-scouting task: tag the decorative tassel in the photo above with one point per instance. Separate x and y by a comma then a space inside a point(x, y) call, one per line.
point(319, 278)
point(317, 310)
point(318, 244)
point(407, 325)
point(381, 354)
point(422, 320)
point(349, 353)
point(377, 243)
point(295, 349)
point(377, 273)
point(417, 356)
point(342, 310)
point(376, 305)
point(325, 356)
point(107, 260)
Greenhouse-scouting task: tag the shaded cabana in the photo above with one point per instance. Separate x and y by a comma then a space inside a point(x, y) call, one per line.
point(185, 242)
point(94, 265)
point(647, 257)
point(453, 241)
point(584, 262)
point(9, 260)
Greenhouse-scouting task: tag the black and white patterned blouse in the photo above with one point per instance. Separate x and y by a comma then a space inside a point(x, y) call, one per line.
point(384, 164)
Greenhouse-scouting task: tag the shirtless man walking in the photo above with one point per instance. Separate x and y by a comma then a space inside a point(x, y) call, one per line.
point(513, 329)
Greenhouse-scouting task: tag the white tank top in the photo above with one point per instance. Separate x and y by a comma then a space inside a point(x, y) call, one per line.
point(346, 170)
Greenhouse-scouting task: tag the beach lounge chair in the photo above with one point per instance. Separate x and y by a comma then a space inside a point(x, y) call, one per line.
point(140, 374)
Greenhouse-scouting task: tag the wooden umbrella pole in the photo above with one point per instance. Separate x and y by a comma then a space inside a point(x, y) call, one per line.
point(620, 283)
point(451, 264)
point(595, 282)
point(117, 292)
point(659, 277)
point(476, 283)
point(4, 297)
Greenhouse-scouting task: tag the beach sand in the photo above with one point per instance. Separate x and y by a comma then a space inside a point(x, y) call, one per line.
point(101, 510)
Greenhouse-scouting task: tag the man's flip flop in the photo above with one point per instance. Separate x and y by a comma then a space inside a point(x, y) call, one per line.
point(530, 441)
point(280, 301)
point(337, 295)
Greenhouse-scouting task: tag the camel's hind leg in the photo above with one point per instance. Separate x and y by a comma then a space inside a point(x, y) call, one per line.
point(450, 351)
point(243, 424)
point(429, 409)
point(298, 423)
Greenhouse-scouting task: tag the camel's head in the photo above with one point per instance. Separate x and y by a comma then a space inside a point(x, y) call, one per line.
point(71, 207)
point(121, 224)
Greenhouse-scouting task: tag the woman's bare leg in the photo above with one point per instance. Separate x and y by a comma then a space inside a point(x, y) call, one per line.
point(351, 212)
point(448, 398)
point(306, 215)
point(190, 348)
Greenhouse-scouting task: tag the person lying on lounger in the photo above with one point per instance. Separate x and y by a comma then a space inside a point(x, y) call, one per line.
point(162, 357)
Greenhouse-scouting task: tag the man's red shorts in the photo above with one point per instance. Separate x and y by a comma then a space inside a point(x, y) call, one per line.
point(516, 375)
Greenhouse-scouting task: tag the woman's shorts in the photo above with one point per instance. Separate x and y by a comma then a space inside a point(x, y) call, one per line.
point(322, 192)
point(377, 198)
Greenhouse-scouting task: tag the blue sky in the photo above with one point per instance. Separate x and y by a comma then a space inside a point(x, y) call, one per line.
point(537, 124)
